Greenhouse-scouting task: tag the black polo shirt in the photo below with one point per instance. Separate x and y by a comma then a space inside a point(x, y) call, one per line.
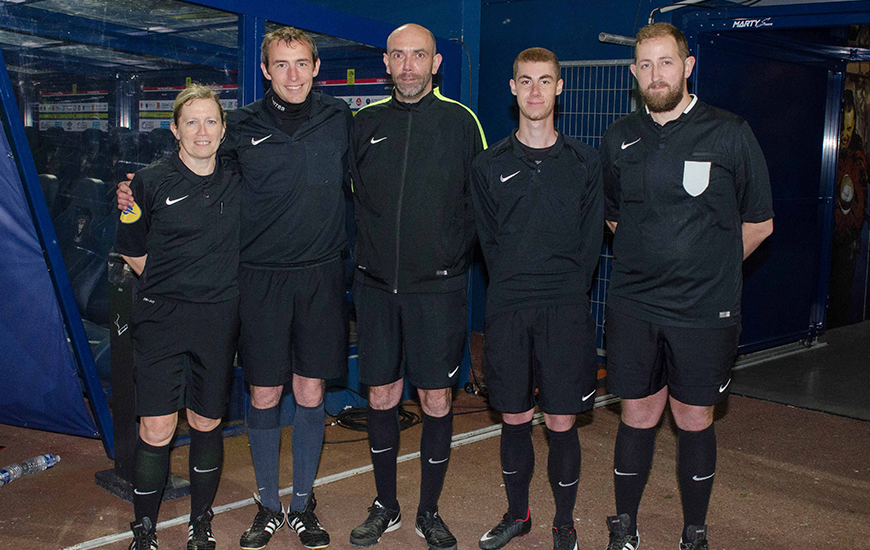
point(540, 223)
point(681, 193)
point(293, 201)
point(188, 225)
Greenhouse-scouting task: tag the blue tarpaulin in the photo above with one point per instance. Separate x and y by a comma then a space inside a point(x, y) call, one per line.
point(39, 385)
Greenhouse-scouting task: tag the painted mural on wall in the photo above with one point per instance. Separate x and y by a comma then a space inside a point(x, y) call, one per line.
point(850, 277)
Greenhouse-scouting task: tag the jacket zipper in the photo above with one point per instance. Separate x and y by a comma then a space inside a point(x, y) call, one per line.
point(399, 206)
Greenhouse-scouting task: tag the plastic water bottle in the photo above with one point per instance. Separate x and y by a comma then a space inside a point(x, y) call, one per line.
point(39, 463)
point(30, 466)
point(10, 473)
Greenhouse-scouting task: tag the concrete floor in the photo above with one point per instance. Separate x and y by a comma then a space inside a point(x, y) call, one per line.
point(787, 478)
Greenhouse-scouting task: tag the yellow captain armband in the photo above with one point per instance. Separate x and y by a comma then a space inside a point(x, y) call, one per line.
point(131, 214)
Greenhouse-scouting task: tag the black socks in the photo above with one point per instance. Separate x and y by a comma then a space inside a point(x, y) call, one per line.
point(517, 463)
point(206, 464)
point(150, 470)
point(632, 460)
point(383, 429)
point(696, 467)
point(563, 466)
point(434, 454)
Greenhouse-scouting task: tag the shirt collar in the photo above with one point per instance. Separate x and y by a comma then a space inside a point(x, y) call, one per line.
point(520, 153)
point(422, 104)
point(688, 107)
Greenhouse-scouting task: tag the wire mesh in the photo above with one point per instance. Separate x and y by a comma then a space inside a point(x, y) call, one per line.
point(594, 95)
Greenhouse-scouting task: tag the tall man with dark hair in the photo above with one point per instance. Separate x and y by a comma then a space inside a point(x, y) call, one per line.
point(540, 218)
point(687, 187)
point(293, 150)
point(415, 228)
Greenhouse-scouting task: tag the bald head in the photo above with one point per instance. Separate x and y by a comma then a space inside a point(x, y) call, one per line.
point(412, 31)
point(411, 61)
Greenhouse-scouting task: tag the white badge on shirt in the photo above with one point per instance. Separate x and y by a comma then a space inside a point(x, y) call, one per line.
point(696, 177)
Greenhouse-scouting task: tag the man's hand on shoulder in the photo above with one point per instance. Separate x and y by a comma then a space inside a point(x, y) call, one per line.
point(125, 196)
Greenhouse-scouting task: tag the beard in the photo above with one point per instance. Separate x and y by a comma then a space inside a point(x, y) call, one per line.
point(663, 102)
point(413, 88)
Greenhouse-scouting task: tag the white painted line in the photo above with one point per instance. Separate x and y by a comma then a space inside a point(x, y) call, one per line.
point(457, 440)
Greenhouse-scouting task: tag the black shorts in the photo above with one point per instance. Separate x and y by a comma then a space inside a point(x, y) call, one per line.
point(293, 321)
point(694, 363)
point(551, 349)
point(420, 336)
point(183, 355)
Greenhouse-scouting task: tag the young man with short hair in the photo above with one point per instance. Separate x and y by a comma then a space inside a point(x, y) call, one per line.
point(540, 219)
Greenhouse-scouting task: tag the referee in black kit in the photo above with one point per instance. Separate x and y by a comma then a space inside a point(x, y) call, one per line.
point(688, 198)
point(540, 218)
point(181, 236)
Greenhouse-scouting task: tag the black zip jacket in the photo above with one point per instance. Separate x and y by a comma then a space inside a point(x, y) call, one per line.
point(293, 198)
point(415, 222)
point(540, 225)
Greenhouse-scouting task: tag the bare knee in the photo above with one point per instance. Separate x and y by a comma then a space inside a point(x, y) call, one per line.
point(266, 397)
point(515, 419)
point(691, 418)
point(202, 423)
point(646, 412)
point(157, 431)
point(559, 422)
point(386, 397)
point(436, 402)
point(308, 392)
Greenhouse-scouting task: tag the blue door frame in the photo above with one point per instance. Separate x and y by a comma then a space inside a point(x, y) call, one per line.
point(747, 25)
point(252, 17)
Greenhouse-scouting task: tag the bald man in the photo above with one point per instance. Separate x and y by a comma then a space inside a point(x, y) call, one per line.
point(415, 229)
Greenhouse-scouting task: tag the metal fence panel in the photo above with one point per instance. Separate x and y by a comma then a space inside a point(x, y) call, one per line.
point(594, 95)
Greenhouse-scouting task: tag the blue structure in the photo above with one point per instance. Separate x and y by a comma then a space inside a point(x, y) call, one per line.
point(90, 85)
point(93, 86)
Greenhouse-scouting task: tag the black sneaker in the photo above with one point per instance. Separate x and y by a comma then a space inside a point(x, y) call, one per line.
point(431, 527)
point(381, 520)
point(266, 522)
point(311, 533)
point(564, 538)
point(697, 538)
point(199, 535)
point(506, 529)
point(620, 539)
point(144, 535)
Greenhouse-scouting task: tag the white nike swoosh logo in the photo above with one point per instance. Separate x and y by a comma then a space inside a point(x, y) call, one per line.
point(373, 140)
point(197, 470)
point(696, 478)
point(380, 450)
point(723, 388)
point(259, 141)
point(617, 472)
point(138, 492)
point(509, 473)
point(486, 536)
point(170, 202)
point(442, 461)
point(590, 395)
point(453, 372)
point(301, 494)
point(569, 484)
point(627, 145)
point(505, 178)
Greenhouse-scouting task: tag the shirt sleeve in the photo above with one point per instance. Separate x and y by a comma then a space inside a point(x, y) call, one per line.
point(610, 182)
point(752, 181)
point(592, 215)
point(135, 222)
point(485, 210)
